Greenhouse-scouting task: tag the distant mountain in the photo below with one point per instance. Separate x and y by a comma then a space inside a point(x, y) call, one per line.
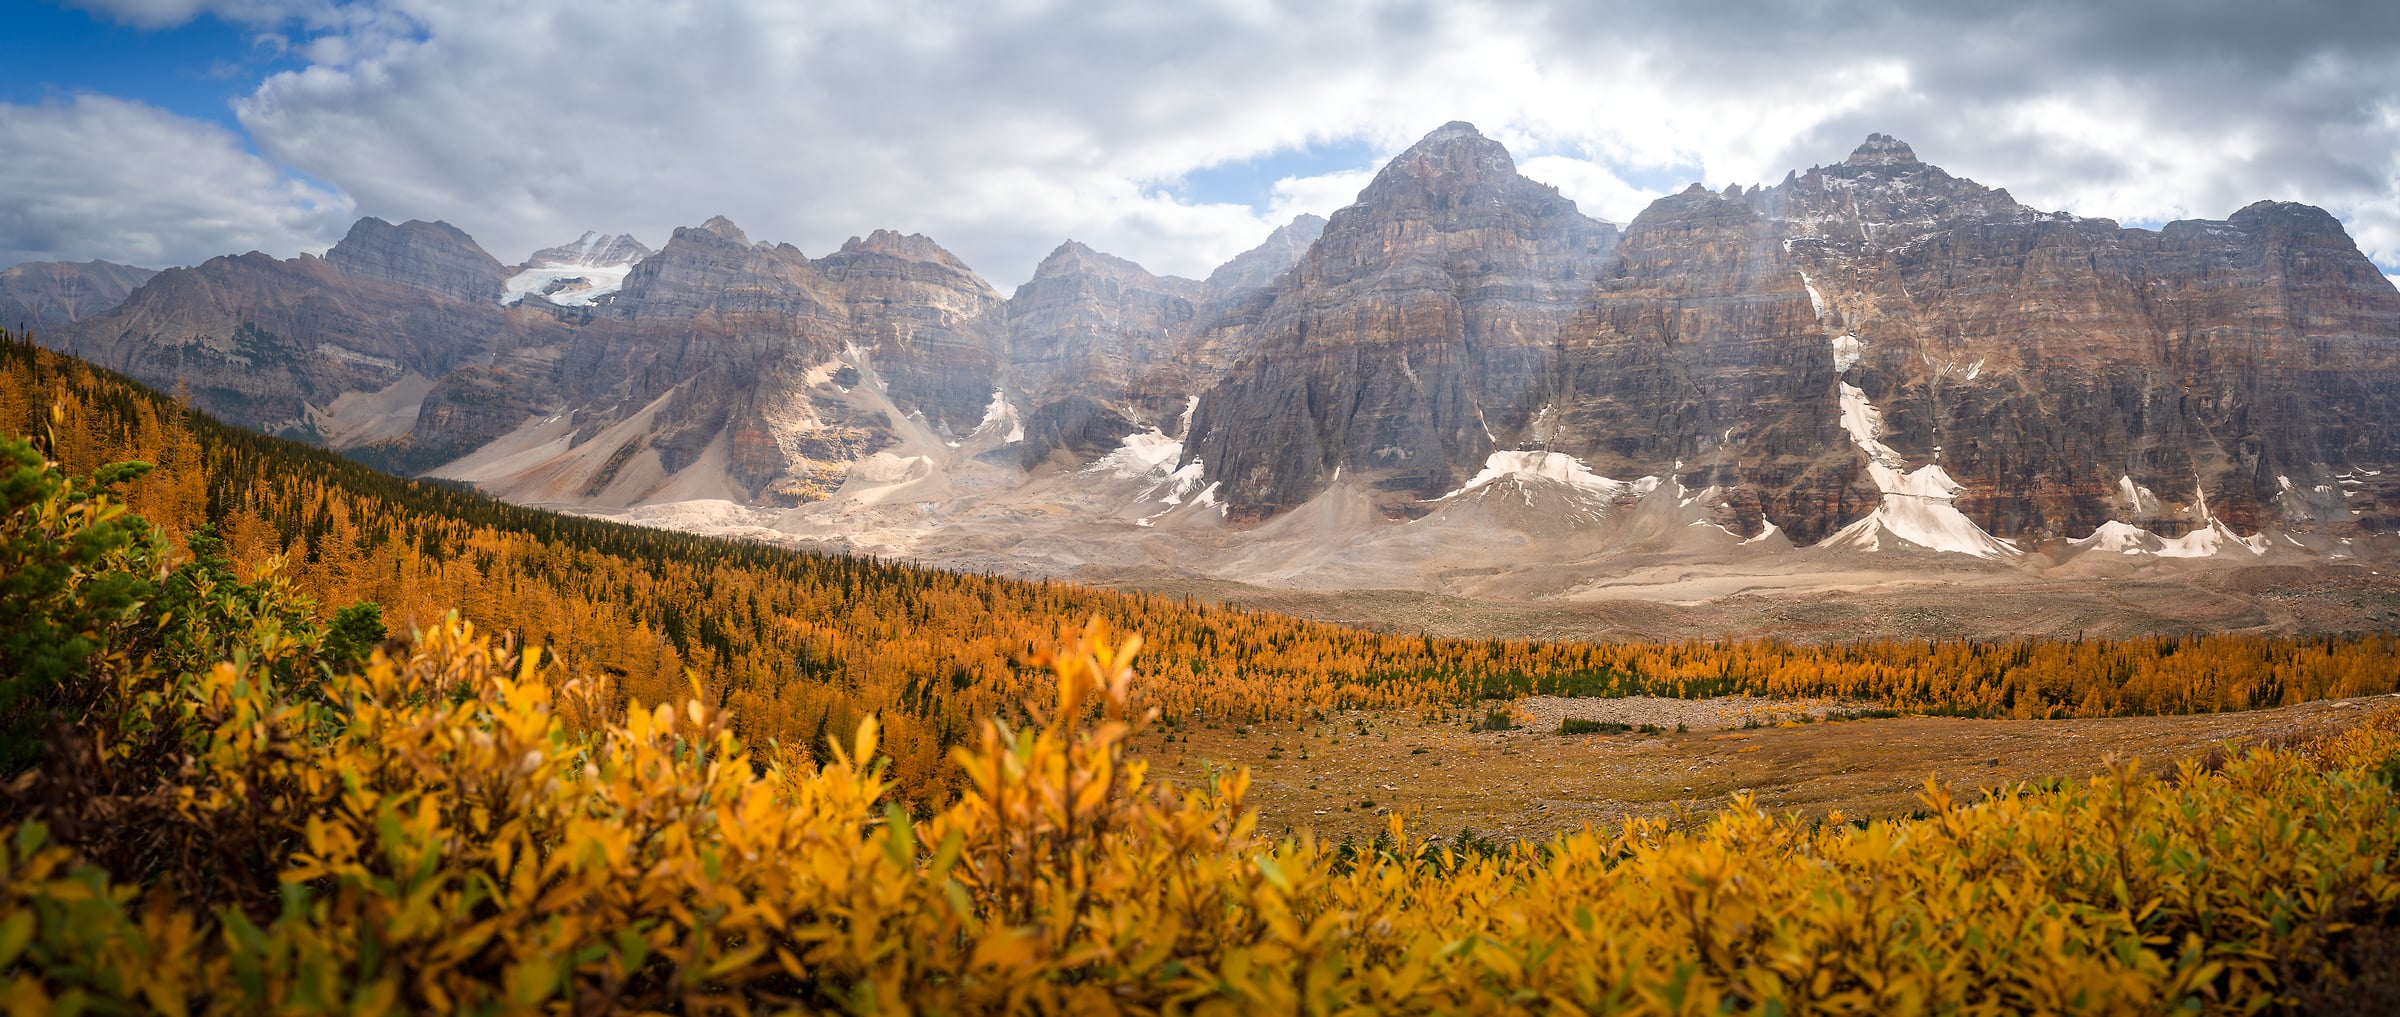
point(340, 349)
point(1259, 267)
point(575, 274)
point(40, 294)
point(1458, 374)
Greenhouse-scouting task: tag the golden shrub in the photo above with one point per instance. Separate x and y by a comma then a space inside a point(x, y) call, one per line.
point(460, 846)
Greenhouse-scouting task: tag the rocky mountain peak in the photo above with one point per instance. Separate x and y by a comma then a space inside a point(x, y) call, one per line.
point(1453, 161)
point(1882, 150)
point(433, 256)
point(1418, 332)
point(906, 246)
point(2260, 214)
point(722, 227)
point(1075, 258)
point(592, 248)
point(580, 273)
point(1259, 266)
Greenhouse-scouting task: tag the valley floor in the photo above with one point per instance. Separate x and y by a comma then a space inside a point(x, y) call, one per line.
point(1832, 601)
point(1341, 776)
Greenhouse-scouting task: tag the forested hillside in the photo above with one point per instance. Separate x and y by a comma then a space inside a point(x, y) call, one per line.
point(800, 645)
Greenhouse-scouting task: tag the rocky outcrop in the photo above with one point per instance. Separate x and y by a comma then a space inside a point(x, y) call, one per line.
point(431, 256)
point(1418, 335)
point(41, 294)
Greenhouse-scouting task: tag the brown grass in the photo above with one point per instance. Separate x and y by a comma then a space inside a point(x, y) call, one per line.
point(1328, 776)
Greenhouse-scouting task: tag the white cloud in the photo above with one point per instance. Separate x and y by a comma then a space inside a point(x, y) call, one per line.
point(1596, 191)
point(1320, 194)
point(1000, 129)
point(94, 177)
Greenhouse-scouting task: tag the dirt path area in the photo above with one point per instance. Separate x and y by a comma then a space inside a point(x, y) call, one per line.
point(1340, 776)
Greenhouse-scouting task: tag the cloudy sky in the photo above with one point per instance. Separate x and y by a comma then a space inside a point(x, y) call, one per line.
point(164, 132)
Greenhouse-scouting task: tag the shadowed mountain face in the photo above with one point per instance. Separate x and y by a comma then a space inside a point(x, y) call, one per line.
point(1867, 352)
point(38, 295)
point(1419, 333)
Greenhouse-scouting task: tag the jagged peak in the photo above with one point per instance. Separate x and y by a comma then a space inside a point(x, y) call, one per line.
point(720, 226)
point(593, 248)
point(895, 244)
point(1304, 228)
point(1883, 150)
point(1452, 160)
point(1076, 256)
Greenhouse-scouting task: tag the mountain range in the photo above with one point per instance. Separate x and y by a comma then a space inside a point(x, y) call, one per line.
point(1456, 374)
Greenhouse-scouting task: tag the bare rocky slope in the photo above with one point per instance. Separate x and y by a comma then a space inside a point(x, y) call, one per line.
point(1459, 384)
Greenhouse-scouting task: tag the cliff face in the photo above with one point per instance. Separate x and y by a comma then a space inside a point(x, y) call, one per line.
point(1419, 334)
point(41, 294)
point(2068, 372)
point(1698, 356)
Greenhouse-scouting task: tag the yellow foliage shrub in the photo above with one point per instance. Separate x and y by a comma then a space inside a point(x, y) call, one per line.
point(457, 844)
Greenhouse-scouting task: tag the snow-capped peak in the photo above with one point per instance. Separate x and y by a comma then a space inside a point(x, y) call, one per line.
point(578, 272)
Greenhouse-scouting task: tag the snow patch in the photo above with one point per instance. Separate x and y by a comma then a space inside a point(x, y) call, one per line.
point(2207, 540)
point(1846, 351)
point(2137, 500)
point(2114, 537)
point(1918, 506)
point(1865, 424)
point(1556, 467)
point(1142, 454)
point(1815, 299)
point(578, 285)
point(577, 273)
point(999, 414)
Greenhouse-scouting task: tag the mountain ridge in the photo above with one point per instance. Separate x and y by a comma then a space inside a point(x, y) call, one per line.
point(1873, 348)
